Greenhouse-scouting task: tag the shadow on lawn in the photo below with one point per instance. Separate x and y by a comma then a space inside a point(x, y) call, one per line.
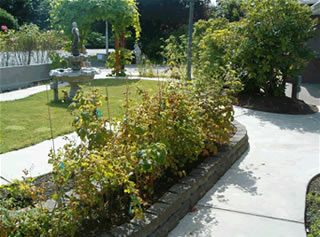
point(112, 82)
point(59, 104)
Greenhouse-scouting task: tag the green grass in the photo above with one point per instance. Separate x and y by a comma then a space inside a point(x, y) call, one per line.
point(25, 122)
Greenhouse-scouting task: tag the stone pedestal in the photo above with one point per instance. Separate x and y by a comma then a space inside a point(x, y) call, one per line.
point(54, 87)
point(73, 90)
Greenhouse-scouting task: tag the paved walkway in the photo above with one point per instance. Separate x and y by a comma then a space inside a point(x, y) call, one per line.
point(263, 194)
point(23, 93)
point(34, 159)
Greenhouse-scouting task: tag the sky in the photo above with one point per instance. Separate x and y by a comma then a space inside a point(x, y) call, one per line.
point(213, 2)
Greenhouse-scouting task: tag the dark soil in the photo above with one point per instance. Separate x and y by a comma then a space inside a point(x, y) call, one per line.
point(282, 105)
point(314, 186)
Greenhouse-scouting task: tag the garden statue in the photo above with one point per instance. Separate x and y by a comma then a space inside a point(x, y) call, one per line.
point(75, 43)
point(79, 70)
point(137, 52)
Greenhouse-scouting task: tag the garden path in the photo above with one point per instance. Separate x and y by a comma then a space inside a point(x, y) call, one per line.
point(263, 194)
point(34, 159)
point(23, 93)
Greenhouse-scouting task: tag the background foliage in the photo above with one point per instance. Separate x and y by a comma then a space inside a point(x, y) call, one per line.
point(120, 14)
point(264, 49)
point(6, 19)
point(228, 9)
point(161, 18)
point(272, 48)
point(29, 11)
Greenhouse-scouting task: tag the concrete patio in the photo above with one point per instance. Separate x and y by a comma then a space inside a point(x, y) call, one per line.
point(263, 194)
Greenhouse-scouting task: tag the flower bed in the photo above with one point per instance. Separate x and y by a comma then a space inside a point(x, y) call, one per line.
point(165, 214)
point(116, 173)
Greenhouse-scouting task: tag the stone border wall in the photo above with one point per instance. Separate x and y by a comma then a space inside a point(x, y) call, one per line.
point(166, 213)
point(16, 77)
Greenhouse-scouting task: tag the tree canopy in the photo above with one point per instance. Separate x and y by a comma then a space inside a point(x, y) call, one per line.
point(6, 19)
point(120, 14)
point(229, 9)
point(28, 11)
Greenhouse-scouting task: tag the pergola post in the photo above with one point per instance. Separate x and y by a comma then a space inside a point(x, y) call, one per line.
point(190, 31)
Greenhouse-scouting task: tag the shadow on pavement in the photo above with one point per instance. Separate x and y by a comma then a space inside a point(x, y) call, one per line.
point(240, 178)
point(313, 89)
point(300, 123)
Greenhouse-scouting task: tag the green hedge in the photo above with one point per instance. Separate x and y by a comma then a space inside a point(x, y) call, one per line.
point(8, 20)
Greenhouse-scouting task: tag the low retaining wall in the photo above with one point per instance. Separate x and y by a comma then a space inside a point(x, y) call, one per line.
point(21, 76)
point(165, 214)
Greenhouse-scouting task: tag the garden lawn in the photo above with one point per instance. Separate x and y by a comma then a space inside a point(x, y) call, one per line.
point(26, 122)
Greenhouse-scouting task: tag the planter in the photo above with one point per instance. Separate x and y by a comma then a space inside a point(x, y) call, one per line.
point(165, 214)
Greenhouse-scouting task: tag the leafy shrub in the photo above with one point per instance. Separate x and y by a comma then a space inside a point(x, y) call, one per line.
point(96, 41)
point(146, 69)
point(29, 42)
point(229, 9)
point(213, 44)
point(272, 48)
point(115, 168)
point(125, 57)
point(6, 19)
point(313, 214)
point(57, 61)
point(264, 49)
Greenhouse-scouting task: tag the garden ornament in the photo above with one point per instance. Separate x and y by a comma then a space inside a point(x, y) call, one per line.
point(75, 43)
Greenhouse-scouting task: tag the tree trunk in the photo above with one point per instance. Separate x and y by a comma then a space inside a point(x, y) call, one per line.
point(107, 39)
point(294, 89)
point(117, 54)
point(29, 57)
point(123, 46)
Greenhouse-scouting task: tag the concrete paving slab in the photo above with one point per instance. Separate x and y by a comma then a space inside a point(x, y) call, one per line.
point(269, 180)
point(310, 93)
point(23, 93)
point(34, 159)
point(209, 222)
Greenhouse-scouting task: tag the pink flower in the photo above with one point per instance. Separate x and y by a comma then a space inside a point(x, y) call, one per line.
point(4, 28)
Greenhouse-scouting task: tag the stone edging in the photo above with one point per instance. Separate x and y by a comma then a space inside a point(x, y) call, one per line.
point(166, 213)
